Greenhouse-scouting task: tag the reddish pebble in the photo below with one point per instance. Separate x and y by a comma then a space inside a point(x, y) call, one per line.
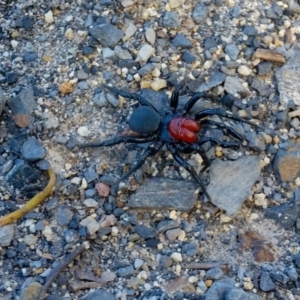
point(102, 189)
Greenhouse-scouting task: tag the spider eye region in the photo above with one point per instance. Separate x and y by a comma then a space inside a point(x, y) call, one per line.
point(184, 130)
point(144, 120)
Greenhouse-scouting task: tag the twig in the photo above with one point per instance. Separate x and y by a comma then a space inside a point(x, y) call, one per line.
point(32, 203)
point(57, 270)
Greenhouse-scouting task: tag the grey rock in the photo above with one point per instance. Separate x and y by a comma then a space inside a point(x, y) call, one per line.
point(100, 99)
point(7, 166)
point(162, 193)
point(181, 41)
point(231, 182)
point(250, 31)
point(126, 271)
point(188, 57)
point(288, 87)
point(210, 43)
point(284, 215)
point(29, 47)
point(264, 68)
point(29, 57)
point(214, 80)
point(6, 235)
point(81, 75)
point(43, 165)
point(89, 20)
point(266, 284)
point(167, 225)
point(83, 85)
point(101, 294)
point(191, 249)
point(113, 100)
point(63, 215)
point(146, 69)
point(256, 141)
point(232, 51)
point(32, 150)
point(200, 13)
point(106, 34)
point(279, 277)
point(219, 289)
point(233, 85)
point(23, 103)
point(171, 20)
point(90, 175)
point(292, 273)
point(122, 53)
point(239, 294)
point(214, 273)
point(235, 12)
point(144, 231)
point(107, 53)
point(262, 88)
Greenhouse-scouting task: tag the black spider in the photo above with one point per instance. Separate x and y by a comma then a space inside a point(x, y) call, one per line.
point(176, 130)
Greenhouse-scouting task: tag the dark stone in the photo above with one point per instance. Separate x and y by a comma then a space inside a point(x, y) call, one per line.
point(152, 243)
point(181, 41)
point(32, 150)
point(235, 12)
point(228, 100)
point(256, 141)
point(88, 50)
point(279, 277)
point(232, 51)
point(285, 214)
point(214, 80)
point(23, 103)
point(188, 57)
point(200, 13)
point(146, 69)
point(25, 22)
point(219, 289)
point(250, 31)
point(165, 225)
point(20, 174)
point(126, 271)
point(266, 284)
point(214, 273)
point(106, 34)
point(29, 57)
point(239, 294)
point(90, 175)
point(264, 68)
point(11, 78)
point(144, 231)
point(210, 43)
point(153, 195)
point(171, 20)
point(101, 294)
point(63, 215)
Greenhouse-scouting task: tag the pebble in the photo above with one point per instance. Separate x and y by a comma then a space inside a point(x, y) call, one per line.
point(106, 34)
point(6, 235)
point(171, 20)
point(31, 291)
point(158, 84)
point(83, 131)
point(200, 13)
point(244, 70)
point(129, 32)
point(101, 294)
point(150, 35)
point(266, 284)
point(176, 257)
point(32, 150)
point(90, 202)
point(144, 53)
point(91, 225)
point(49, 17)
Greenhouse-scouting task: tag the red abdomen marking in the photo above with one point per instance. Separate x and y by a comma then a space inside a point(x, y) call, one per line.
point(184, 130)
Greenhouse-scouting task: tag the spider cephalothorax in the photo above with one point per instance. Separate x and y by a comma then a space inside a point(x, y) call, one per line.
point(173, 128)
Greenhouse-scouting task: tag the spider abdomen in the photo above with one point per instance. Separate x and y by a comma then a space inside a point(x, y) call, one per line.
point(184, 129)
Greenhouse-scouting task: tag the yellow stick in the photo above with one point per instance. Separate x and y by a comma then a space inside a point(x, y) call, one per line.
point(32, 203)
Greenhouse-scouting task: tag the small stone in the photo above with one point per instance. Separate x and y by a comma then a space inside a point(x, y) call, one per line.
point(109, 220)
point(31, 291)
point(214, 273)
point(30, 239)
point(100, 99)
point(200, 13)
point(232, 51)
point(126, 271)
point(173, 234)
point(49, 17)
point(90, 202)
point(159, 84)
point(144, 231)
point(102, 189)
point(244, 70)
point(66, 87)
point(266, 284)
point(83, 131)
point(48, 233)
point(250, 31)
point(180, 41)
point(91, 225)
point(63, 215)
point(175, 3)
point(150, 35)
point(6, 235)
point(138, 263)
point(69, 34)
point(32, 150)
point(129, 31)
point(176, 256)
point(144, 53)
point(171, 20)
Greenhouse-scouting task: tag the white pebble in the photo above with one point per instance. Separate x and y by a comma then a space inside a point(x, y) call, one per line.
point(158, 84)
point(244, 70)
point(49, 17)
point(47, 233)
point(83, 131)
point(14, 43)
point(76, 180)
point(150, 35)
point(84, 184)
point(144, 53)
point(176, 256)
point(114, 231)
point(90, 202)
point(260, 200)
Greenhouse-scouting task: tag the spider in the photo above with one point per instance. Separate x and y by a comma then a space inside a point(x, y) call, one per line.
point(173, 128)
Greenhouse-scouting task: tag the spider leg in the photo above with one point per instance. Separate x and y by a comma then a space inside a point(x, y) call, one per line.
point(120, 139)
point(192, 101)
point(188, 167)
point(223, 113)
point(133, 96)
point(229, 129)
point(150, 151)
point(223, 144)
point(197, 148)
point(175, 96)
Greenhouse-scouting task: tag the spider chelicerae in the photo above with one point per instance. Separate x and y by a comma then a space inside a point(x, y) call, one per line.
point(174, 128)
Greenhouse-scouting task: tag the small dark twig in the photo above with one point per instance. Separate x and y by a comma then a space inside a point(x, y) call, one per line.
point(57, 270)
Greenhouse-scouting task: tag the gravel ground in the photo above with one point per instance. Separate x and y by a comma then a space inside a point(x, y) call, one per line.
point(157, 237)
